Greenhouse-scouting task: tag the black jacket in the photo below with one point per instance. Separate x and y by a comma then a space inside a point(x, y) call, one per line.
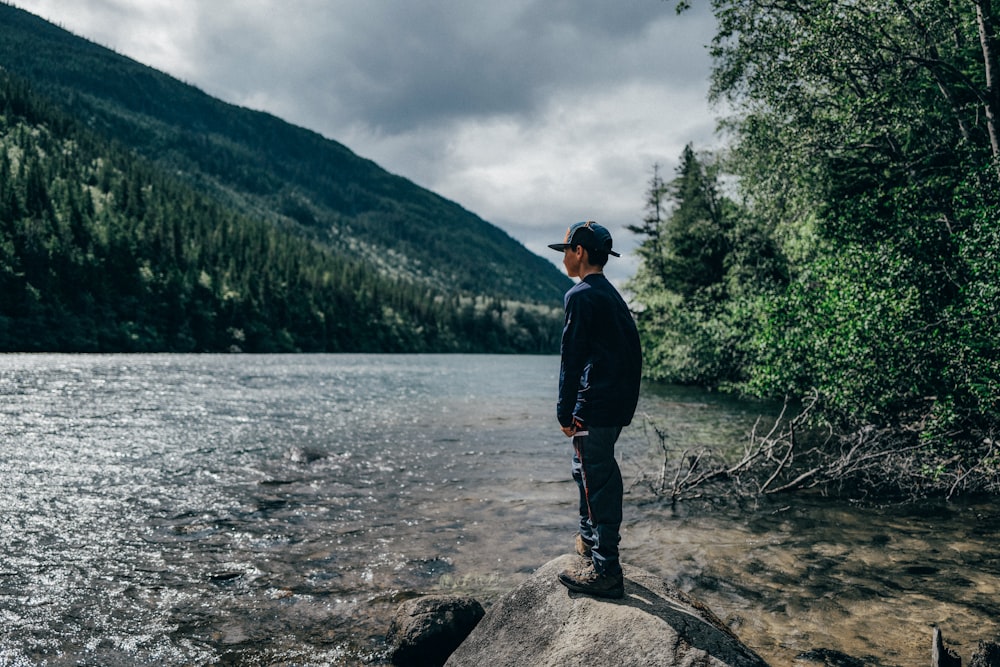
point(601, 357)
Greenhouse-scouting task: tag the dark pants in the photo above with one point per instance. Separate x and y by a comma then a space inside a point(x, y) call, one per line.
point(596, 473)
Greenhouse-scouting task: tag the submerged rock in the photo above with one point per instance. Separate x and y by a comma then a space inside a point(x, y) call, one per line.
point(830, 658)
point(987, 655)
point(540, 623)
point(424, 631)
point(941, 655)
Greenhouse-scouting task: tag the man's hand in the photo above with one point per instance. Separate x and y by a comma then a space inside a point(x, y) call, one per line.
point(573, 429)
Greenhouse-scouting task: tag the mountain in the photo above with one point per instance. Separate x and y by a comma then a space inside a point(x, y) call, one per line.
point(139, 214)
point(266, 168)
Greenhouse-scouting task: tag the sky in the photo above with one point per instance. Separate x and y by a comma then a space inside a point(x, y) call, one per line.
point(533, 114)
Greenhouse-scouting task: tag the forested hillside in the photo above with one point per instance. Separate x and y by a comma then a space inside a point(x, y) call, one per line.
point(845, 250)
point(383, 263)
point(102, 251)
point(274, 170)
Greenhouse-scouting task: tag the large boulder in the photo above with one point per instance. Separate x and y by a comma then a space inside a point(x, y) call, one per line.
point(541, 623)
point(424, 631)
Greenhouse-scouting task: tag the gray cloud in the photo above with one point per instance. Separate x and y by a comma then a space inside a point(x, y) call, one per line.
point(531, 113)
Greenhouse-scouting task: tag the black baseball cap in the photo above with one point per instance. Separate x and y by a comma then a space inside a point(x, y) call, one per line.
point(590, 235)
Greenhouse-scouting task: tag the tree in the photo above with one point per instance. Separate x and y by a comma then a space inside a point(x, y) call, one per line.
point(650, 251)
point(696, 236)
point(865, 141)
point(687, 321)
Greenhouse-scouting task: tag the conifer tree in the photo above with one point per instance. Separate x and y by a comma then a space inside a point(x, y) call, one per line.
point(680, 287)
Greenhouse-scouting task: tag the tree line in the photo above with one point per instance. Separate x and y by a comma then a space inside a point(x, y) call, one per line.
point(843, 251)
point(102, 251)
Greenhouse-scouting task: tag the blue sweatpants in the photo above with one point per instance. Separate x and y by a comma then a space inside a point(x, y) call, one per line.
point(600, 481)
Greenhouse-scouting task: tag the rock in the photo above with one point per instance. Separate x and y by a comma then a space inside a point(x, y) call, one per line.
point(942, 656)
point(424, 631)
point(540, 623)
point(830, 658)
point(987, 655)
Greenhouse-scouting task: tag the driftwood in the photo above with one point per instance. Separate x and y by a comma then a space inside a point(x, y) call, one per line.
point(794, 455)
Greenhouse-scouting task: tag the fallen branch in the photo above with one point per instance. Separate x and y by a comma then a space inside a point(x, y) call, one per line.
point(889, 461)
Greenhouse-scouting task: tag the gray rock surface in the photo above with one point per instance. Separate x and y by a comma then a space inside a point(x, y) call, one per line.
point(424, 631)
point(540, 623)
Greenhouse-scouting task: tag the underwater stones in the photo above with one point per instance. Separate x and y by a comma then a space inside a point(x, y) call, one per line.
point(987, 654)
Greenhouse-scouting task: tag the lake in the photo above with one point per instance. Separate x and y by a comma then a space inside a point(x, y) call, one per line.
point(263, 510)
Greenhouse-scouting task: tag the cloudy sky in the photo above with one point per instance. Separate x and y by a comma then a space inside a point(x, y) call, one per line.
point(531, 113)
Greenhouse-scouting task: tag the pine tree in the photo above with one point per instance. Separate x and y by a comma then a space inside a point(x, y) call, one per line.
point(696, 235)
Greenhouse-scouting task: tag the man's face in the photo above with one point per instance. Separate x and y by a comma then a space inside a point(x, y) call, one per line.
point(572, 259)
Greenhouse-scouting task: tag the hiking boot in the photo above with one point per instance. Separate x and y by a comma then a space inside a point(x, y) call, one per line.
point(590, 582)
point(582, 546)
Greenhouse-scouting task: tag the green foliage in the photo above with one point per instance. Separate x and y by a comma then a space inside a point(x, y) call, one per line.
point(703, 269)
point(861, 268)
point(973, 319)
point(695, 240)
point(866, 151)
point(102, 251)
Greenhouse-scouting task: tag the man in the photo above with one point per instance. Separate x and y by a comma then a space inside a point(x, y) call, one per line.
point(598, 391)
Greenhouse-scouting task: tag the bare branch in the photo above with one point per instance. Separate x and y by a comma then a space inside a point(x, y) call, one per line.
point(890, 460)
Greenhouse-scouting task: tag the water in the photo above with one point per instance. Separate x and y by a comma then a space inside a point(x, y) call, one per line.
point(274, 510)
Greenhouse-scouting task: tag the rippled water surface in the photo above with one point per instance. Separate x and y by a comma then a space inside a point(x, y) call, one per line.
point(262, 510)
